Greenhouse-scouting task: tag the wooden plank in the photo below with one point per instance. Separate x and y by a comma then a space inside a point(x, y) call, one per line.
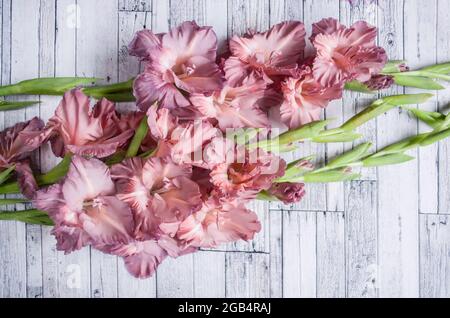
point(398, 185)
point(47, 31)
point(216, 15)
point(8, 287)
point(434, 256)
point(421, 23)
point(355, 102)
point(21, 262)
point(299, 254)
point(443, 55)
point(330, 262)
point(276, 253)
point(63, 275)
point(129, 23)
point(244, 15)
point(97, 42)
point(247, 275)
point(135, 5)
point(361, 238)
point(316, 198)
point(185, 10)
point(209, 274)
point(175, 277)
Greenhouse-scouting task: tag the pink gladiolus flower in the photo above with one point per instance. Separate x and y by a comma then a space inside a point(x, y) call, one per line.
point(187, 142)
point(182, 60)
point(16, 145)
point(217, 223)
point(345, 54)
point(85, 209)
point(79, 130)
point(266, 55)
point(161, 122)
point(246, 172)
point(234, 107)
point(304, 98)
point(159, 192)
point(17, 142)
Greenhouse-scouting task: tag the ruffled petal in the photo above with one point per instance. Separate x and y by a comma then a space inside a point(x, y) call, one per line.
point(188, 39)
point(107, 221)
point(216, 224)
point(160, 122)
point(282, 45)
point(141, 258)
point(18, 141)
point(25, 178)
point(177, 200)
point(86, 180)
point(70, 239)
point(149, 87)
point(143, 43)
point(325, 26)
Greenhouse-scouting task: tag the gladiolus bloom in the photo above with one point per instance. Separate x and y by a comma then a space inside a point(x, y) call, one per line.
point(79, 130)
point(345, 54)
point(266, 55)
point(182, 60)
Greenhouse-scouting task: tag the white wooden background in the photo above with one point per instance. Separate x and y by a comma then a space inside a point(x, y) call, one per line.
point(387, 235)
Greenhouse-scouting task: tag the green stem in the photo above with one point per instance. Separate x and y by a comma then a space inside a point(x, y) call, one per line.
point(32, 216)
point(138, 137)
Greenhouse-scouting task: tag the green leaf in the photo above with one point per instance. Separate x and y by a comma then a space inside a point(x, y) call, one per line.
point(435, 137)
point(407, 99)
point(296, 169)
point(265, 196)
point(28, 216)
point(345, 136)
point(138, 137)
point(115, 158)
point(4, 175)
point(401, 146)
point(337, 175)
point(45, 86)
point(418, 82)
point(57, 173)
point(432, 119)
point(350, 156)
point(302, 133)
point(13, 105)
point(111, 88)
point(148, 153)
point(377, 108)
point(13, 201)
point(443, 68)
point(122, 97)
point(392, 66)
point(390, 159)
point(359, 87)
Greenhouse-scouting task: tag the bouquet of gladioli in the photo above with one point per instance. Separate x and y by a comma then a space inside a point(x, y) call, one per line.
point(175, 175)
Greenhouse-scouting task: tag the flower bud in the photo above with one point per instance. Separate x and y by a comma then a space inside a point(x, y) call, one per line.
point(288, 192)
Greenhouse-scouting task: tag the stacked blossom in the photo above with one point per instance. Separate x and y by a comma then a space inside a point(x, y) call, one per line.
point(187, 186)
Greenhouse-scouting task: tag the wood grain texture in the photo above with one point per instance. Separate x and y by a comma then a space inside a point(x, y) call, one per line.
point(384, 235)
point(435, 256)
point(397, 185)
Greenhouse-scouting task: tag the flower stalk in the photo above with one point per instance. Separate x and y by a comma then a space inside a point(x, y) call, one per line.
point(118, 92)
point(340, 168)
point(424, 78)
point(32, 216)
